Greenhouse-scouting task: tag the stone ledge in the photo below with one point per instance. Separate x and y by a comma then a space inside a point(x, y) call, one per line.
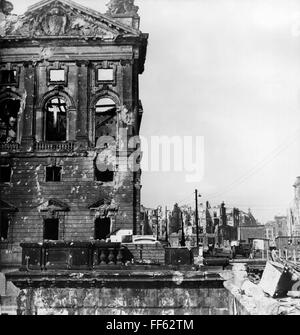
point(114, 278)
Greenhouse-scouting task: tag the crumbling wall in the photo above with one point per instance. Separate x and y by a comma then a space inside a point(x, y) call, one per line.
point(123, 301)
point(147, 252)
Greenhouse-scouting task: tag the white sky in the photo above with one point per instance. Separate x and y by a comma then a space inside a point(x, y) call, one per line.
point(228, 70)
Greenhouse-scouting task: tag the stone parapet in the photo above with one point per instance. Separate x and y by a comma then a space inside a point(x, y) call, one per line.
point(113, 292)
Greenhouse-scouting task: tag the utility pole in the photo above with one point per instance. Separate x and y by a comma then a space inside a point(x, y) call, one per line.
point(156, 213)
point(166, 214)
point(196, 218)
point(182, 228)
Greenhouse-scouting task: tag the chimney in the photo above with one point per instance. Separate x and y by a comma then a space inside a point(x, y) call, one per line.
point(297, 188)
point(125, 12)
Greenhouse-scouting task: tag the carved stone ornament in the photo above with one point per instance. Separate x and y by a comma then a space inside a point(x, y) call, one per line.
point(54, 22)
point(59, 20)
point(126, 117)
point(6, 7)
point(122, 7)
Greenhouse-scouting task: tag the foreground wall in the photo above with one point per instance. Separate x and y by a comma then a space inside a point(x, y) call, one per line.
point(118, 301)
point(120, 293)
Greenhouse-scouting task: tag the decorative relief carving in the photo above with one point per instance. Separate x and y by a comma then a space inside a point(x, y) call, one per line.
point(58, 21)
point(54, 22)
point(122, 7)
point(125, 116)
point(6, 7)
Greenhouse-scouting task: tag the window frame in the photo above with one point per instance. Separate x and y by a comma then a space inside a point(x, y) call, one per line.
point(17, 117)
point(7, 232)
point(53, 173)
point(106, 82)
point(45, 113)
point(16, 69)
point(103, 113)
point(58, 82)
point(97, 172)
point(58, 228)
point(98, 224)
point(6, 166)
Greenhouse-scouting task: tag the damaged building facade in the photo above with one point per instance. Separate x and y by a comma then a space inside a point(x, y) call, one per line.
point(69, 78)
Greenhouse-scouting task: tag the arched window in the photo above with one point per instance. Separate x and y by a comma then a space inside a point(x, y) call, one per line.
point(105, 118)
point(9, 110)
point(56, 119)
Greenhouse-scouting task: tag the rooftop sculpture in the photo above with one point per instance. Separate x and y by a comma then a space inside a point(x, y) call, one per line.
point(6, 7)
point(122, 7)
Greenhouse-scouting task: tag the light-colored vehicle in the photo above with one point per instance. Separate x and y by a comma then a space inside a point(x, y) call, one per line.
point(144, 239)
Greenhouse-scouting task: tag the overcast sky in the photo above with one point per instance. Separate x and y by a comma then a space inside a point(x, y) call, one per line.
point(228, 70)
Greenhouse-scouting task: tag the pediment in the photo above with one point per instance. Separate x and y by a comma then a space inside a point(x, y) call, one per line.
point(104, 208)
point(103, 204)
point(64, 18)
point(53, 205)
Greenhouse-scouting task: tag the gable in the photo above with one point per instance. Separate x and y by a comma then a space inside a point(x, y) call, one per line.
point(63, 18)
point(53, 205)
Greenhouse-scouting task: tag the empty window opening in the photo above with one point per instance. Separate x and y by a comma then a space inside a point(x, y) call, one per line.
point(103, 169)
point(8, 77)
point(53, 173)
point(9, 110)
point(105, 105)
point(57, 75)
point(105, 75)
point(51, 229)
point(106, 118)
point(104, 176)
point(56, 120)
point(102, 228)
point(3, 226)
point(5, 174)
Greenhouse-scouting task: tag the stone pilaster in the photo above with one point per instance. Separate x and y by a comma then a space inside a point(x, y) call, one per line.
point(82, 113)
point(28, 117)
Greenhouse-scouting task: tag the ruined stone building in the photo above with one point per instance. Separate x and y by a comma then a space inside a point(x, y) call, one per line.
point(68, 76)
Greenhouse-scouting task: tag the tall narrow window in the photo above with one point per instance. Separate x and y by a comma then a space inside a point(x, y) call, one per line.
point(105, 118)
point(56, 119)
point(53, 173)
point(51, 229)
point(9, 110)
point(104, 176)
point(3, 226)
point(102, 228)
point(8, 77)
point(5, 174)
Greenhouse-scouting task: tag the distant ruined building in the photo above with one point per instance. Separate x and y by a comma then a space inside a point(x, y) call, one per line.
point(68, 76)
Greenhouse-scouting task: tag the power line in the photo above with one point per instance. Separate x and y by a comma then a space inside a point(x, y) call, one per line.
point(179, 202)
point(258, 167)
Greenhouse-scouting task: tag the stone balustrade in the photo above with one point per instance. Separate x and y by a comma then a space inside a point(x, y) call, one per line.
point(54, 146)
point(61, 255)
point(9, 146)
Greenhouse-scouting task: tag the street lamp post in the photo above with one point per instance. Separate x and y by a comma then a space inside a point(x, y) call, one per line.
point(197, 217)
